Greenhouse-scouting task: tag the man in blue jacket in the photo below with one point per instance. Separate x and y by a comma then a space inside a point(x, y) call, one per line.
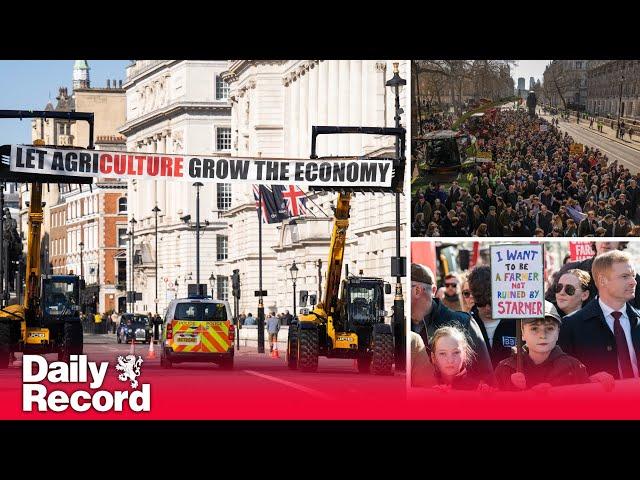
point(428, 314)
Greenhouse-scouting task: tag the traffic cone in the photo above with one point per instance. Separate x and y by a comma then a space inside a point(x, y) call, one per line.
point(152, 352)
point(132, 351)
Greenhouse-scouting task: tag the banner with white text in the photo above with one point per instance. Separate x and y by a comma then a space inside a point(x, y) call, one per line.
point(336, 171)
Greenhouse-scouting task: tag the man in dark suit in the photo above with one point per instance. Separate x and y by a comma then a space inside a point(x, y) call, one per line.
point(605, 334)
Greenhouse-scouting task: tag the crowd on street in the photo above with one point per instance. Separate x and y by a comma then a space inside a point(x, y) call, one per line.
point(538, 182)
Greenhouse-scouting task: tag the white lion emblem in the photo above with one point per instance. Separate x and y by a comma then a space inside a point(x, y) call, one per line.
point(130, 368)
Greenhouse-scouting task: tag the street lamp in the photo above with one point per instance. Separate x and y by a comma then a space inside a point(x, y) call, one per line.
point(81, 245)
point(620, 106)
point(396, 82)
point(131, 256)
point(212, 281)
point(155, 211)
point(198, 185)
point(294, 275)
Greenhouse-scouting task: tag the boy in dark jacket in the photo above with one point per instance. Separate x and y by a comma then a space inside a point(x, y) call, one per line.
point(545, 365)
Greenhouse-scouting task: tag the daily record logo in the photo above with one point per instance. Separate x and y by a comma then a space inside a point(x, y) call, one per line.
point(35, 396)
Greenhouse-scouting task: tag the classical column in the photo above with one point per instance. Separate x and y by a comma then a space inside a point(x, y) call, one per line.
point(294, 87)
point(332, 104)
point(162, 184)
point(303, 113)
point(313, 103)
point(322, 99)
point(343, 106)
point(355, 105)
point(380, 95)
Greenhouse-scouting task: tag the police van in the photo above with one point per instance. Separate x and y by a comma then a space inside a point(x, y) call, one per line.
point(198, 329)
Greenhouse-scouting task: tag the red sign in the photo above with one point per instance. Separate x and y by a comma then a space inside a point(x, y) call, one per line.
point(580, 251)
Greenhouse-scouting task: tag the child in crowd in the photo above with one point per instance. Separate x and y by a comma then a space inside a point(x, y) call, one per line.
point(545, 365)
point(451, 354)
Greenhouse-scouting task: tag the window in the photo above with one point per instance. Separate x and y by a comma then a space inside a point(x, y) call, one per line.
point(222, 89)
point(222, 242)
point(224, 196)
point(223, 139)
point(122, 205)
point(122, 237)
point(222, 283)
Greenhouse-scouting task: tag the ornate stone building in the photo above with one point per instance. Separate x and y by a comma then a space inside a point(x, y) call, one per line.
point(566, 79)
point(604, 79)
point(74, 215)
point(274, 106)
point(177, 106)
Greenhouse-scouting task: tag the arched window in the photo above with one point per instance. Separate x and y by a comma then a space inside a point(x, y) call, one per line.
point(122, 205)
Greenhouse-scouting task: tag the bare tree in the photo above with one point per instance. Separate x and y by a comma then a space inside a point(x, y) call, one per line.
point(560, 81)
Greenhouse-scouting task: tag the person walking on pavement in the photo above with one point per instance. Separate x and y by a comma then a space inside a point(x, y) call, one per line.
point(114, 321)
point(273, 327)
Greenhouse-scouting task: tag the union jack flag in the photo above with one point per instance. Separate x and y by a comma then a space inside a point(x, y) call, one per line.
point(295, 198)
point(279, 202)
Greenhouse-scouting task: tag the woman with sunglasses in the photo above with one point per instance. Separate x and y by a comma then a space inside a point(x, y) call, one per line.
point(467, 298)
point(572, 291)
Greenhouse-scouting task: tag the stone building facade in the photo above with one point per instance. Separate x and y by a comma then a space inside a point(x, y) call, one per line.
point(275, 104)
point(74, 215)
point(177, 106)
point(566, 79)
point(604, 80)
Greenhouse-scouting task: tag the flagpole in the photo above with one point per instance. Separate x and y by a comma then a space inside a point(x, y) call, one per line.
point(307, 197)
point(260, 301)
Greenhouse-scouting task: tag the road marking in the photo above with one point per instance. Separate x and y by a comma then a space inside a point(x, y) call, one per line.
point(302, 388)
point(579, 133)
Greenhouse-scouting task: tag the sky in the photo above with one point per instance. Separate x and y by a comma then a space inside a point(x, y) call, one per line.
point(529, 68)
point(30, 84)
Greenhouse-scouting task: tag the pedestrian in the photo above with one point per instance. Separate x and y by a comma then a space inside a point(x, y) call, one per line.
point(273, 327)
point(250, 320)
point(630, 133)
point(114, 321)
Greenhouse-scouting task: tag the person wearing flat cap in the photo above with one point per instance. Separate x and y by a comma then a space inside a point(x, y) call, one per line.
point(544, 363)
point(428, 314)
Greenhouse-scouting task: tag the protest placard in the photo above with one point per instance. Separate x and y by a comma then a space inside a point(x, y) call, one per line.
point(517, 281)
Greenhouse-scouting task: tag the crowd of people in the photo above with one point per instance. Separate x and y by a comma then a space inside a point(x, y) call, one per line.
point(536, 184)
point(590, 331)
